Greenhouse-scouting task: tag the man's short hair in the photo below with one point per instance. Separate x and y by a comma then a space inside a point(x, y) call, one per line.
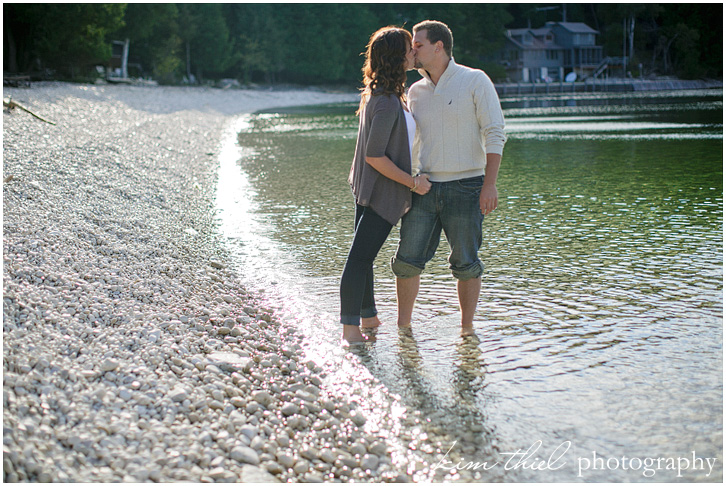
point(437, 31)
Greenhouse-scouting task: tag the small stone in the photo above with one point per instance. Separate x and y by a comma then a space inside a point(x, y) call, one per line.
point(369, 462)
point(314, 477)
point(378, 448)
point(358, 449)
point(109, 365)
point(154, 335)
point(328, 456)
point(286, 460)
point(262, 397)
point(301, 467)
point(309, 453)
point(289, 409)
point(357, 418)
point(253, 474)
point(249, 431)
point(246, 455)
point(178, 394)
point(274, 468)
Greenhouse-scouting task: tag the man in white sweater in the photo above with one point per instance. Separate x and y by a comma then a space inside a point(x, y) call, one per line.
point(459, 142)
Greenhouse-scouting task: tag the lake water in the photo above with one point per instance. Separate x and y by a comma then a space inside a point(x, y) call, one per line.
point(600, 323)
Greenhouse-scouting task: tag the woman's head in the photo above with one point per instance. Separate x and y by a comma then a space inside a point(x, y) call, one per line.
point(387, 58)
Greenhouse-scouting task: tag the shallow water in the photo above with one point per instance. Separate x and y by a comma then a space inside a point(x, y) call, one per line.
point(600, 320)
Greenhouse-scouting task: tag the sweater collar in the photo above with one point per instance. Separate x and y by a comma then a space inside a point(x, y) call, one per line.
point(448, 72)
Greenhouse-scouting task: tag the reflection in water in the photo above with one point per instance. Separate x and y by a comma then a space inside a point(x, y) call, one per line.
point(600, 321)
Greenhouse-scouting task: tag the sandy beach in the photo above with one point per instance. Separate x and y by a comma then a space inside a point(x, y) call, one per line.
point(131, 351)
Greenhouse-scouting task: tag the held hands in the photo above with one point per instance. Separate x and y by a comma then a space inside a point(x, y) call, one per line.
point(421, 184)
point(488, 199)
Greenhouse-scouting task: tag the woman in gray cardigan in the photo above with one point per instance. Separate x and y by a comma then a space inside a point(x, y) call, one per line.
point(380, 176)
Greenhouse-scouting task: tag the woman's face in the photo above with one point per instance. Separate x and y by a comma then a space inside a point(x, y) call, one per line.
point(410, 58)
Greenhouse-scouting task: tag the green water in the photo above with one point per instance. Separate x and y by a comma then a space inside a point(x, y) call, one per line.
point(600, 320)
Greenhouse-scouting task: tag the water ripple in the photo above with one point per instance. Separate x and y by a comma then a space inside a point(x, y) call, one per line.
point(600, 319)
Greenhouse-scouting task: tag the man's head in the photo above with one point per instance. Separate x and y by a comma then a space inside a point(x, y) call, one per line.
point(431, 39)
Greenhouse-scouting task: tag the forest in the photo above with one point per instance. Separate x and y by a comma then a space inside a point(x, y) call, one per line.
point(321, 44)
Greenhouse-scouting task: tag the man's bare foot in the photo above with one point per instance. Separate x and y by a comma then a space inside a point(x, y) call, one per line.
point(467, 330)
point(352, 334)
point(370, 322)
point(405, 331)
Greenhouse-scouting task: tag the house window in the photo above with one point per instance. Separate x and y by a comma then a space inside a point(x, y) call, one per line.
point(552, 55)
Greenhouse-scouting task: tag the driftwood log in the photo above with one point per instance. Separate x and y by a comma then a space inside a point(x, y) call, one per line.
point(10, 104)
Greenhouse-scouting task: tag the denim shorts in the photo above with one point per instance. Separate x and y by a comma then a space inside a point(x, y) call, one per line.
point(449, 206)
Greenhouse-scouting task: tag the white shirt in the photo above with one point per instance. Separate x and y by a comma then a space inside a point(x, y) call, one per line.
point(411, 127)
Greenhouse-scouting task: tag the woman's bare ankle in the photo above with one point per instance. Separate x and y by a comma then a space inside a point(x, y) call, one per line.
point(352, 334)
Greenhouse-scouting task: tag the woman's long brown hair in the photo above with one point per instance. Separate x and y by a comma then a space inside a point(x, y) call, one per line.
point(384, 70)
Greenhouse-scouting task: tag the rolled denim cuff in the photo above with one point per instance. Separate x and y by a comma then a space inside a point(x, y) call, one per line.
point(350, 320)
point(402, 269)
point(475, 270)
point(369, 312)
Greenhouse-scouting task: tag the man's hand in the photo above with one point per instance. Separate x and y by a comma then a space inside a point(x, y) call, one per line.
point(488, 199)
point(489, 196)
point(424, 186)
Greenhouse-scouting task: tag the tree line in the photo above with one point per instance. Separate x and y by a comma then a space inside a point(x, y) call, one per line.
point(322, 43)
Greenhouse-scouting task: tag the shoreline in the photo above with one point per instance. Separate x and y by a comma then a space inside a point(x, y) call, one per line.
point(131, 350)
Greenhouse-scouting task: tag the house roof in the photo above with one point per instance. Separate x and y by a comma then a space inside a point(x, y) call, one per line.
point(537, 35)
point(536, 44)
point(577, 27)
point(541, 32)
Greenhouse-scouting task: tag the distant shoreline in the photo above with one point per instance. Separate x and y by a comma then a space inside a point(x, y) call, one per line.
point(605, 86)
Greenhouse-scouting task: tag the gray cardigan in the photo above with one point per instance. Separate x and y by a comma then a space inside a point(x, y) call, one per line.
point(382, 132)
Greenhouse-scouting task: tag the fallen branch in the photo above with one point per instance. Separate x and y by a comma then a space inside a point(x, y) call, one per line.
point(10, 104)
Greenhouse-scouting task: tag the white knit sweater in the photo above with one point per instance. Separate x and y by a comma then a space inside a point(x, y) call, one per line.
point(458, 121)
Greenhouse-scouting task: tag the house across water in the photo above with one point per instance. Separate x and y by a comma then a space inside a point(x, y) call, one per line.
point(553, 52)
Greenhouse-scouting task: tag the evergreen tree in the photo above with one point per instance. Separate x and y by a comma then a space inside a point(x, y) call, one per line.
point(68, 38)
point(206, 38)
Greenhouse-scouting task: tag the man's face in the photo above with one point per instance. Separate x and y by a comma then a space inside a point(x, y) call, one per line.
point(424, 51)
point(410, 59)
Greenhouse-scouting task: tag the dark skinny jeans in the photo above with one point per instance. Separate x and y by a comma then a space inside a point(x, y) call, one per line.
point(356, 284)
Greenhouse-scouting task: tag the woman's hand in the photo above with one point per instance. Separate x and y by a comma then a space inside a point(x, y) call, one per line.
point(421, 184)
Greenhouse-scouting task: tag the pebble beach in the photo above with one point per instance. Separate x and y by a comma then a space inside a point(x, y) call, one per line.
point(131, 350)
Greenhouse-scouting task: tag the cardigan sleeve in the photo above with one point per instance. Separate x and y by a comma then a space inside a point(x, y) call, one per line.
point(384, 112)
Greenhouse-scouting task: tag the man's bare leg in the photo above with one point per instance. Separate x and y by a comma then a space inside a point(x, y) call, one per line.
point(468, 299)
point(406, 292)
